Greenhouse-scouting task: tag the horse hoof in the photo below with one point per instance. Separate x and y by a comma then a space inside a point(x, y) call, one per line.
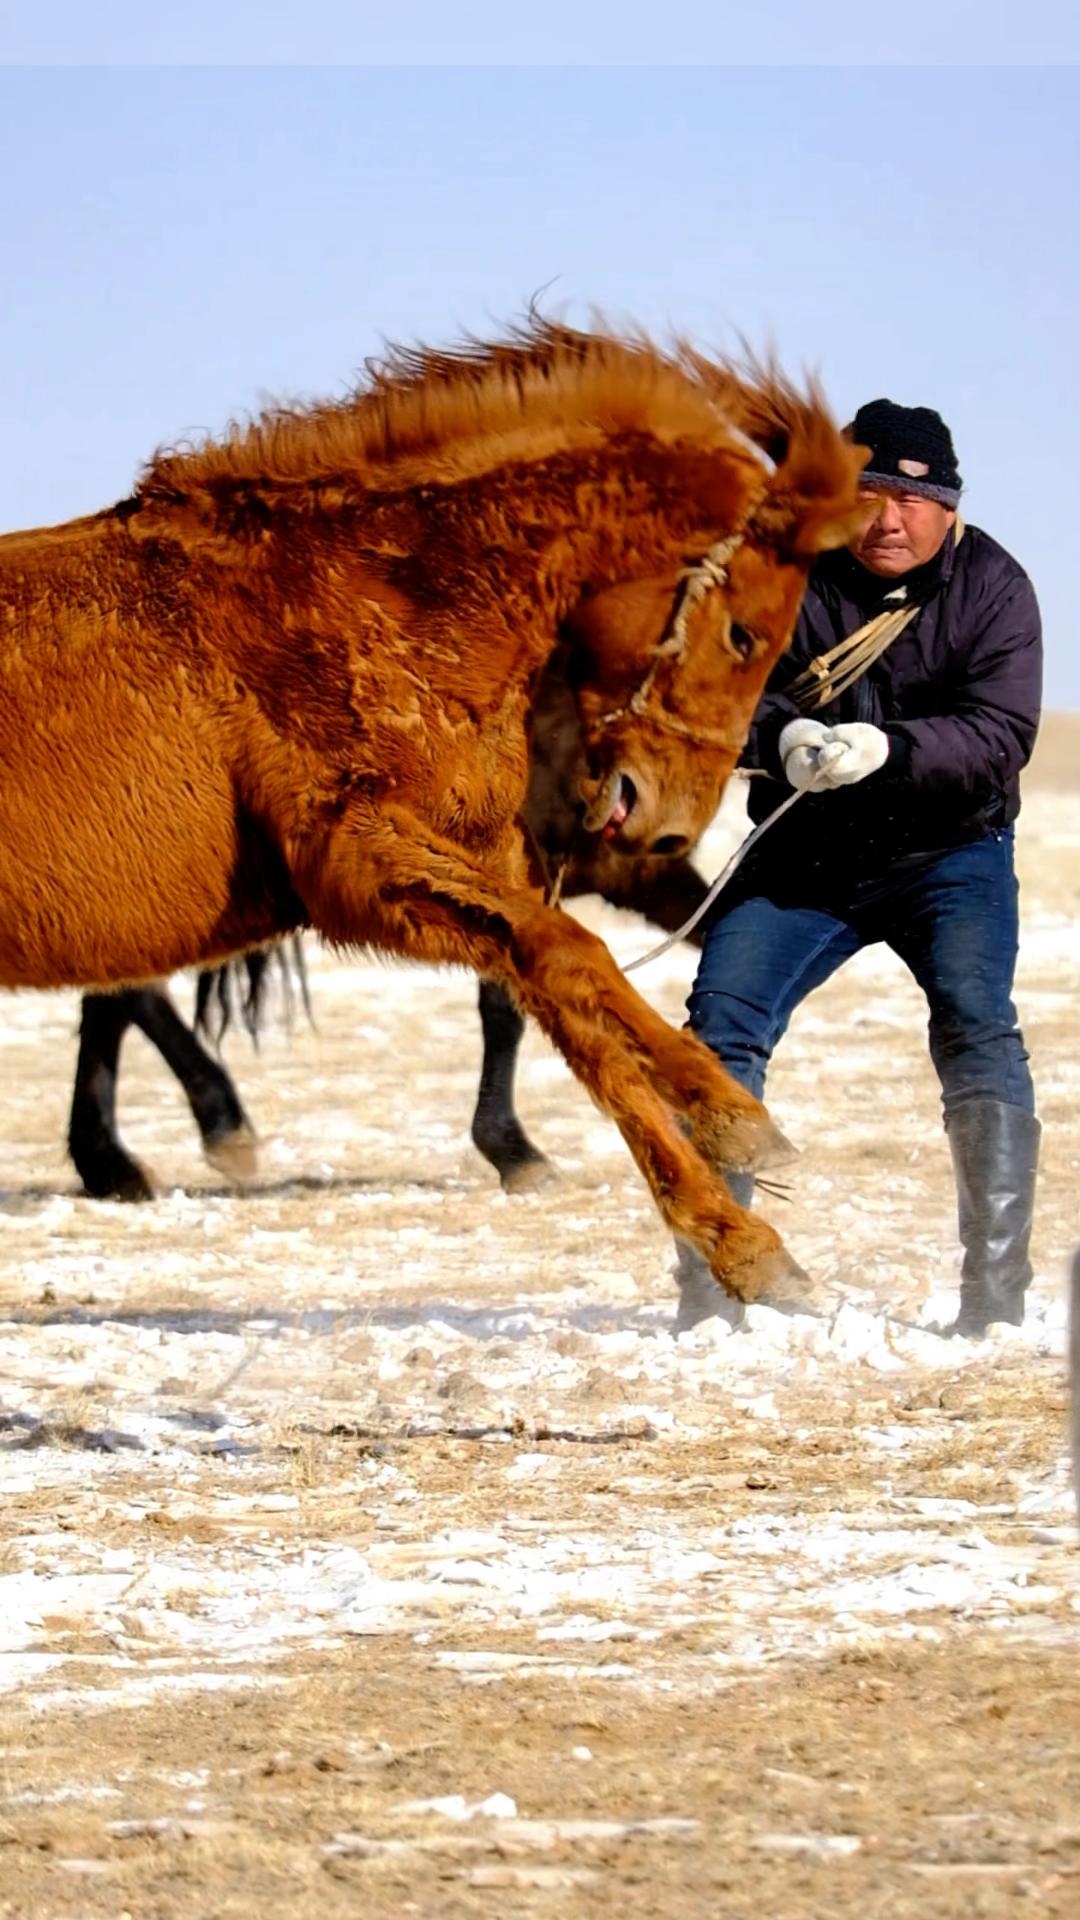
point(234, 1154)
point(527, 1175)
point(775, 1280)
point(742, 1142)
point(773, 1149)
point(123, 1180)
point(131, 1192)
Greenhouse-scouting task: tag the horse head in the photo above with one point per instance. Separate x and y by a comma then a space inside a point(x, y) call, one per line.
point(668, 669)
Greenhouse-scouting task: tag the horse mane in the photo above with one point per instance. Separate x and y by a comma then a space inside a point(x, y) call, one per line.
point(423, 415)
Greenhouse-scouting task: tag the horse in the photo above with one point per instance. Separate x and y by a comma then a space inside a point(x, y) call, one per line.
point(289, 682)
point(665, 887)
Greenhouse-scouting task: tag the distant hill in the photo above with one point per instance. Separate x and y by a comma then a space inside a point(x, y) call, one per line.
point(1056, 761)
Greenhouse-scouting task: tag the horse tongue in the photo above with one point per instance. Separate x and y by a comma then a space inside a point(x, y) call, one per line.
point(617, 816)
point(603, 798)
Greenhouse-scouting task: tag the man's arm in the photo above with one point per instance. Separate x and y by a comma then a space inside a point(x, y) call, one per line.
point(989, 731)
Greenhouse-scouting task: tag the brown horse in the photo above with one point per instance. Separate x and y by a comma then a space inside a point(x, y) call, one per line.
point(290, 683)
point(664, 886)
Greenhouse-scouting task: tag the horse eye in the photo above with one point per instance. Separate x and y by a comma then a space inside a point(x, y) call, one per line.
point(741, 642)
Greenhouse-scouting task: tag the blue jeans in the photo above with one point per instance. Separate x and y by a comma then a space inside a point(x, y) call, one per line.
point(953, 921)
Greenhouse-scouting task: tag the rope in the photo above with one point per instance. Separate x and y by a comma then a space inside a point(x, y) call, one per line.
point(832, 673)
point(696, 581)
point(828, 676)
point(708, 572)
point(825, 758)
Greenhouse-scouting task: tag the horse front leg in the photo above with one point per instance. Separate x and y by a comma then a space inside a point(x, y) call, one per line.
point(665, 892)
point(496, 1130)
point(643, 1094)
point(389, 880)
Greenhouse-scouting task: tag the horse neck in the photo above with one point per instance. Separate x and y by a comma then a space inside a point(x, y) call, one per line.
point(607, 525)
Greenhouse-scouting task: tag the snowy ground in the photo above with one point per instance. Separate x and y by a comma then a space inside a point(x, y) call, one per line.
point(337, 1506)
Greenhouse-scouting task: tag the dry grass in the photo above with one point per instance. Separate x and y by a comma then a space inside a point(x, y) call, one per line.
point(156, 1771)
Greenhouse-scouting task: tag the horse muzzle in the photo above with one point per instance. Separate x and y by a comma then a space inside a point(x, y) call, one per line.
point(609, 802)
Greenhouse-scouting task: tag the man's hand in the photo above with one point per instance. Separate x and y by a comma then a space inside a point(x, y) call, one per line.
point(818, 756)
point(801, 745)
point(863, 750)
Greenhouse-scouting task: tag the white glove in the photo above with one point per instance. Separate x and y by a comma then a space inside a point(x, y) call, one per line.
point(818, 756)
point(862, 750)
point(800, 748)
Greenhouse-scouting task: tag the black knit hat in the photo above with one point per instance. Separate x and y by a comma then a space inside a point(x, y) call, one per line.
point(910, 448)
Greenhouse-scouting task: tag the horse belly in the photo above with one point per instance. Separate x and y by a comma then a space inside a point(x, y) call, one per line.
point(117, 842)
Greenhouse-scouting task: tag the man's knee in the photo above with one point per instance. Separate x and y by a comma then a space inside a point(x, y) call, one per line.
point(742, 1044)
point(981, 1060)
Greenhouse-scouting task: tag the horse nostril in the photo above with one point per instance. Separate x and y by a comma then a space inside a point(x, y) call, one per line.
point(670, 845)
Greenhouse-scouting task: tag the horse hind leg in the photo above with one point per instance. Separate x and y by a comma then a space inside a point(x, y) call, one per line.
point(497, 1132)
point(102, 1162)
point(228, 1138)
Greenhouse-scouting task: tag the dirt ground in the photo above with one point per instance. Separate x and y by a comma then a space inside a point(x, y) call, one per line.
point(369, 1544)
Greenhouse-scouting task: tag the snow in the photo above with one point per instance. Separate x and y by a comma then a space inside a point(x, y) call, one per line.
point(171, 1373)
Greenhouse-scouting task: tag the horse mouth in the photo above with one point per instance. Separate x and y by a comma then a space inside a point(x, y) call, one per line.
point(625, 799)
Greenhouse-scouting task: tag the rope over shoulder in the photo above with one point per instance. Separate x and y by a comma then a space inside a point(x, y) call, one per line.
point(830, 674)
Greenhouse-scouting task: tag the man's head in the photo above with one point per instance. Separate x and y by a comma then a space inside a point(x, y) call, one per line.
point(912, 475)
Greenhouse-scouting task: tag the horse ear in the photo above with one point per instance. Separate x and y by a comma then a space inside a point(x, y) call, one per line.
point(821, 528)
point(813, 502)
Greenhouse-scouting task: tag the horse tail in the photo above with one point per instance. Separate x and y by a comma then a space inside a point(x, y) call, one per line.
point(240, 988)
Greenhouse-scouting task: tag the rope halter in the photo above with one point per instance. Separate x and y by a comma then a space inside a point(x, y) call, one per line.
point(693, 584)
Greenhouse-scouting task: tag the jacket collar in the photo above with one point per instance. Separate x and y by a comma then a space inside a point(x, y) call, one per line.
point(843, 573)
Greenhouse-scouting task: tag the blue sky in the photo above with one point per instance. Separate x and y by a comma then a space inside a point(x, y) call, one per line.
point(478, 32)
point(182, 242)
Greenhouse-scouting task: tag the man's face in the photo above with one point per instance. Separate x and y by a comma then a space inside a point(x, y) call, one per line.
point(906, 531)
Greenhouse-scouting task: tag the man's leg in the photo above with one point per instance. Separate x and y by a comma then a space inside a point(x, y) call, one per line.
point(758, 961)
point(957, 929)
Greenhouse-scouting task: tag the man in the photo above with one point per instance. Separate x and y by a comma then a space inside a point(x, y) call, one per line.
point(910, 740)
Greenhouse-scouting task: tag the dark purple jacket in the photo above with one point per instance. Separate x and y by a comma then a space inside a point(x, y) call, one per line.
point(958, 693)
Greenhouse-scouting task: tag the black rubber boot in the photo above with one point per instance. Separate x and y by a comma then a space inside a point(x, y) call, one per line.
point(700, 1298)
point(995, 1152)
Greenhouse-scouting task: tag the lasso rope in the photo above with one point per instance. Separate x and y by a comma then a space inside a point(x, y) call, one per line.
point(831, 674)
point(826, 756)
